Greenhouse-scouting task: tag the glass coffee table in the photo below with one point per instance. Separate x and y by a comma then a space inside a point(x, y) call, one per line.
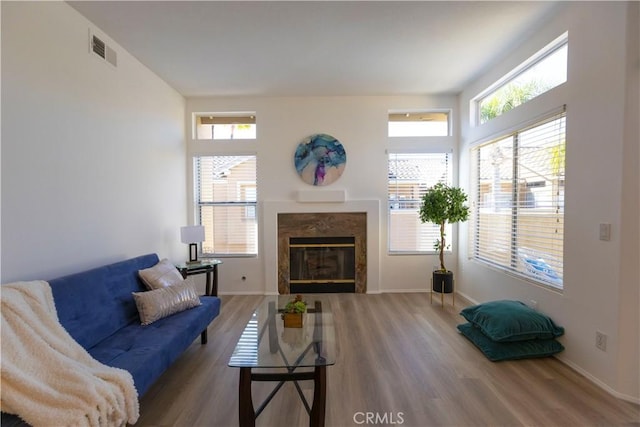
point(267, 351)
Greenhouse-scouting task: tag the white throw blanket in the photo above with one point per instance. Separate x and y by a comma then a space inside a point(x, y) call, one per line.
point(48, 379)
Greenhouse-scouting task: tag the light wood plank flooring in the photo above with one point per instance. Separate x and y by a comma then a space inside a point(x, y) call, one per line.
point(400, 359)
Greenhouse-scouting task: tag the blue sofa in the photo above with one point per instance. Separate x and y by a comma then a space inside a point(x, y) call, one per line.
point(97, 308)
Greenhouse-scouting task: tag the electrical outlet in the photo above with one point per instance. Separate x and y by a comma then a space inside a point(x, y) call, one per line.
point(601, 341)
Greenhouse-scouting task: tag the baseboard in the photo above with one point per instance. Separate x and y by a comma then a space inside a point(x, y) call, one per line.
point(401, 291)
point(243, 293)
point(599, 383)
point(468, 298)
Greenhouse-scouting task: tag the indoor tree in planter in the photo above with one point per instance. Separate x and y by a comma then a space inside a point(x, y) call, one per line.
point(442, 204)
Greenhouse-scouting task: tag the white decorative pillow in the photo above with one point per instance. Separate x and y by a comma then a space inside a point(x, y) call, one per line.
point(163, 302)
point(161, 275)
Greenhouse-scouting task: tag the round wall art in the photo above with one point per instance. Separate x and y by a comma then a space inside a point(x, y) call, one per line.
point(320, 159)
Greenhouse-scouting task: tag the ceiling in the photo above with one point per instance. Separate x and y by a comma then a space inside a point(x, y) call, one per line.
point(268, 48)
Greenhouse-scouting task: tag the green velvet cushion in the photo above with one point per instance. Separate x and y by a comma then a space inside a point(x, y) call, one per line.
point(505, 321)
point(497, 351)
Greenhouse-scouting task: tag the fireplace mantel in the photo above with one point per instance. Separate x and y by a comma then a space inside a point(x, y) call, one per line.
point(270, 211)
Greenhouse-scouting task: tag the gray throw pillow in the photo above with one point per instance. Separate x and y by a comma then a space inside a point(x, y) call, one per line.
point(163, 302)
point(161, 275)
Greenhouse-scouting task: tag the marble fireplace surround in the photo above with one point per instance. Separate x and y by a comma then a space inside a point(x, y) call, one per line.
point(273, 243)
point(322, 224)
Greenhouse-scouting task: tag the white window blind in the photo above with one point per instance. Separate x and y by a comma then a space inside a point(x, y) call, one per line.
point(410, 175)
point(226, 203)
point(518, 209)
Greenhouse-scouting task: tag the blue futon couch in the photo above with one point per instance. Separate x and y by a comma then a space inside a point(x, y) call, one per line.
point(98, 310)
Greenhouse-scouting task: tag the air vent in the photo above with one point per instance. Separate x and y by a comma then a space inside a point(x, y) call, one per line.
point(98, 46)
point(101, 49)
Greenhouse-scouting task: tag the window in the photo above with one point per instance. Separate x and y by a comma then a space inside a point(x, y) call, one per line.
point(410, 175)
point(518, 209)
point(434, 123)
point(238, 125)
point(226, 203)
point(537, 75)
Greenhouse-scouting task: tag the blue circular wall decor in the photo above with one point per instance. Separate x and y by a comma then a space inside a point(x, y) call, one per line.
point(320, 159)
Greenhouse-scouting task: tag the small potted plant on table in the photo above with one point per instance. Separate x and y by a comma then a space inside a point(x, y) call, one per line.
point(293, 312)
point(442, 204)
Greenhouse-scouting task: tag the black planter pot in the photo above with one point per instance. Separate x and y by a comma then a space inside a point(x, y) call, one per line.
point(443, 282)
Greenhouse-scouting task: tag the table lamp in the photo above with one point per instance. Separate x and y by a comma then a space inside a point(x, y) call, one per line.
point(192, 235)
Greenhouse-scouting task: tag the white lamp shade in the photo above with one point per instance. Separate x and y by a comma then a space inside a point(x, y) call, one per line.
point(192, 234)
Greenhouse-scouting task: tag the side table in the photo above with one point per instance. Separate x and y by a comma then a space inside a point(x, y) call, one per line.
point(208, 267)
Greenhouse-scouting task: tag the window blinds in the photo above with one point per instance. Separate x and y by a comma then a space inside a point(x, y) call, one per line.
point(410, 175)
point(226, 199)
point(518, 201)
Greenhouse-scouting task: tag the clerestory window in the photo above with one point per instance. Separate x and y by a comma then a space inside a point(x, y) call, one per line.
point(424, 123)
point(225, 126)
point(537, 75)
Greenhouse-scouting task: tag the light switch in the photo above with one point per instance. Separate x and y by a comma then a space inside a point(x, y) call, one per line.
point(605, 232)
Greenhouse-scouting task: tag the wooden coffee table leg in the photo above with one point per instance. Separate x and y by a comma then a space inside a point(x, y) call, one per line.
point(245, 406)
point(316, 417)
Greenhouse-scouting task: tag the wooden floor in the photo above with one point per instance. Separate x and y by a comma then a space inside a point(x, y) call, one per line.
point(401, 360)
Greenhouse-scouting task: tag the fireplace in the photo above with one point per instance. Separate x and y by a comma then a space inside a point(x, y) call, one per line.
point(322, 264)
point(322, 252)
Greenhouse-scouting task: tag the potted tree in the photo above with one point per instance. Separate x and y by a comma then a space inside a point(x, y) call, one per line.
point(442, 204)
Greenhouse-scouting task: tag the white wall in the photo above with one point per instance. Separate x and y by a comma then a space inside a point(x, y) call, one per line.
point(93, 157)
point(360, 124)
point(600, 289)
point(629, 313)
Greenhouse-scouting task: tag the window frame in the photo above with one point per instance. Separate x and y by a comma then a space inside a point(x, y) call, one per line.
point(223, 118)
point(448, 153)
point(416, 114)
point(517, 252)
point(537, 58)
point(239, 191)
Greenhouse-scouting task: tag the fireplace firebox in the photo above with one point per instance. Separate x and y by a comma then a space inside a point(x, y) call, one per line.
point(319, 226)
point(322, 264)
